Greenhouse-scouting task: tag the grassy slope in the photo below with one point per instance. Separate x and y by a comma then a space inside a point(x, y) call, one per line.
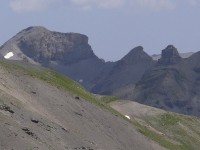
point(183, 130)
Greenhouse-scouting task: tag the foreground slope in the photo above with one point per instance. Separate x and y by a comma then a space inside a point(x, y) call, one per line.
point(40, 109)
point(174, 131)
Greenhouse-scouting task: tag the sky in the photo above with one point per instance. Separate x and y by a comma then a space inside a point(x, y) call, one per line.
point(114, 27)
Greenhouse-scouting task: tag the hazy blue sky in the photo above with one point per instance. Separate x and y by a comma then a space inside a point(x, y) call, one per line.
point(114, 27)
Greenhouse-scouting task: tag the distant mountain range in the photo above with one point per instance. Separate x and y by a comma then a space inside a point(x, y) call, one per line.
point(171, 82)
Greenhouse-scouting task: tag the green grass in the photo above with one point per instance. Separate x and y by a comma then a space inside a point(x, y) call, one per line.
point(168, 120)
point(108, 99)
point(179, 128)
point(162, 140)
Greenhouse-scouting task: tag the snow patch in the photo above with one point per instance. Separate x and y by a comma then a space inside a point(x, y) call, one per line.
point(128, 117)
point(80, 81)
point(9, 55)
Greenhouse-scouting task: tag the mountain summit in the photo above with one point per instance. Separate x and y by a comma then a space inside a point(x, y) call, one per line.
point(136, 55)
point(169, 56)
point(67, 53)
point(41, 45)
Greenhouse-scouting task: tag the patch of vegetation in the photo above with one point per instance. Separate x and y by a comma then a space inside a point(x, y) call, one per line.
point(178, 128)
point(108, 99)
point(168, 119)
point(160, 139)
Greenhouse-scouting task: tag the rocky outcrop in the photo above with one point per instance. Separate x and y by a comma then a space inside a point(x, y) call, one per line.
point(169, 56)
point(43, 46)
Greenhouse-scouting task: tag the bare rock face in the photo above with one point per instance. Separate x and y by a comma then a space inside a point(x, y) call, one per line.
point(43, 45)
point(169, 56)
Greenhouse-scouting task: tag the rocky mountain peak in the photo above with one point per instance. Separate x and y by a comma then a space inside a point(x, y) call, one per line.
point(42, 45)
point(136, 55)
point(169, 56)
point(39, 32)
point(36, 28)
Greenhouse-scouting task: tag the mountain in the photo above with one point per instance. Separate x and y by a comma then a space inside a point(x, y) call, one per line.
point(169, 56)
point(41, 109)
point(172, 84)
point(71, 55)
point(125, 72)
point(67, 53)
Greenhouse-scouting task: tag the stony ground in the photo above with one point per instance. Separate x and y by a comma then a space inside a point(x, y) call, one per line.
point(35, 115)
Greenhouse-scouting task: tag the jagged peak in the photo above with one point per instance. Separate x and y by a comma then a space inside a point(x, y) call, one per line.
point(136, 50)
point(137, 54)
point(31, 29)
point(170, 55)
point(170, 51)
point(35, 28)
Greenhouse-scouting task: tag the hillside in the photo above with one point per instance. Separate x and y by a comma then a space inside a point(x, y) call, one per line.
point(41, 109)
point(174, 131)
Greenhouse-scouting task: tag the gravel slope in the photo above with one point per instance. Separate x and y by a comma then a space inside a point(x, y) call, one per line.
point(35, 115)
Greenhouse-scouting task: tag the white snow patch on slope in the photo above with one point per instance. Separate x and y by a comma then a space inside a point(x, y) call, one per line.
point(127, 116)
point(80, 81)
point(9, 55)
